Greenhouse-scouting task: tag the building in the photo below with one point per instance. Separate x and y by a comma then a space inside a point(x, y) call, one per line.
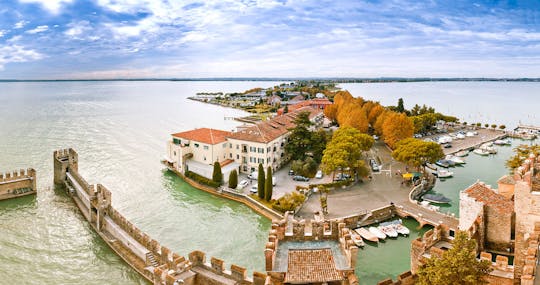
point(316, 252)
point(317, 103)
point(505, 222)
point(263, 142)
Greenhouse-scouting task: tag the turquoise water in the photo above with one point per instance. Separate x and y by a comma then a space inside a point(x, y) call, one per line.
point(120, 130)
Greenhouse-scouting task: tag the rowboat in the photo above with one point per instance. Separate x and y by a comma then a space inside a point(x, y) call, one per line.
point(377, 232)
point(367, 235)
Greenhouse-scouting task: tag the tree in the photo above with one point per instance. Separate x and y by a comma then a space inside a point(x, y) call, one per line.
point(319, 140)
point(345, 150)
point(458, 265)
point(331, 112)
point(486, 125)
point(493, 126)
point(300, 137)
point(233, 179)
point(217, 175)
point(355, 118)
point(522, 152)
point(502, 127)
point(400, 108)
point(260, 182)
point(268, 184)
point(417, 152)
point(286, 109)
point(397, 127)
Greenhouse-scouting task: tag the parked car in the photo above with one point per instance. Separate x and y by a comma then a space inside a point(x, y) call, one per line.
point(319, 174)
point(242, 184)
point(254, 175)
point(253, 189)
point(340, 177)
point(291, 172)
point(300, 178)
point(375, 137)
point(374, 165)
point(274, 181)
point(447, 145)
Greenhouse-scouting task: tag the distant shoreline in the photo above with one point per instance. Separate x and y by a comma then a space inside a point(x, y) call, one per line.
point(321, 79)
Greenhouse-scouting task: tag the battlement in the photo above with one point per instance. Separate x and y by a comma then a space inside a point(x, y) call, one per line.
point(528, 171)
point(17, 183)
point(405, 278)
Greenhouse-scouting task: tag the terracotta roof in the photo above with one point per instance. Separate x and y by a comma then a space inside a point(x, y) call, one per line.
point(270, 130)
point(204, 135)
point(481, 193)
point(311, 266)
point(507, 179)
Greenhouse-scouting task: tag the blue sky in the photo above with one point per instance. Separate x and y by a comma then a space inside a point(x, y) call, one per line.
point(54, 39)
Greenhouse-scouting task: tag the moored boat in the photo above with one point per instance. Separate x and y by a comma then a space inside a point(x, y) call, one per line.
point(443, 173)
point(388, 230)
point(436, 198)
point(398, 226)
point(502, 142)
point(378, 233)
point(462, 153)
point(481, 152)
point(357, 239)
point(455, 159)
point(367, 235)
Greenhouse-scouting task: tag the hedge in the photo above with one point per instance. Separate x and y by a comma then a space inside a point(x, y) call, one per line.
point(201, 179)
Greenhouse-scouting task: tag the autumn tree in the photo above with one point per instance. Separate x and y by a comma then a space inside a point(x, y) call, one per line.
point(331, 112)
point(416, 152)
point(345, 150)
point(374, 113)
point(268, 185)
point(233, 179)
point(502, 127)
point(397, 127)
point(217, 175)
point(357, 119)
point(260, 182)
point(458, 265)
point(522, 152)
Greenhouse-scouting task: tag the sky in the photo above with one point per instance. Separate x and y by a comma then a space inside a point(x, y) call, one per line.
point(105, 39)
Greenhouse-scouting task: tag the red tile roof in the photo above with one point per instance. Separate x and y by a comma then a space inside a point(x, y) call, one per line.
point(267, 131)
point(204, 135)
point(481, 193)
point(311, 266)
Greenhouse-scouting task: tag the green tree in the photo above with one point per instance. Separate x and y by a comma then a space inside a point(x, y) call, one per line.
point(286, 109)
point(502, 127)
point(268, 184)
point(345, 150)
point(458, 265)
point(300, 137)
point(400, 108)
point(493, 126)
point(217, 175)
point(417, 152)
point(233, 179)
point(486, 125)
point(319, 139)
point(260, 182)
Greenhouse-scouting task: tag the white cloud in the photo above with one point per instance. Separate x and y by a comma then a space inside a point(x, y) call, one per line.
point(77, 29)
point(2, 33)
point(17, 53)
point(52, 6)
point(20, 24)
point(38, 29)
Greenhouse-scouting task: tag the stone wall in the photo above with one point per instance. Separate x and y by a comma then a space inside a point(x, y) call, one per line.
point(405, 278)
point(17, 183)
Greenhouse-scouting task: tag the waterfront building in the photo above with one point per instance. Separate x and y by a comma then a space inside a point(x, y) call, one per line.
point(263, 142)
point(505, 222)
point(317, 103)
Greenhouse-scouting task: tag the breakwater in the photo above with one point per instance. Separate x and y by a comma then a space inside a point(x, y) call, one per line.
point(156, 263)
point(17, 183)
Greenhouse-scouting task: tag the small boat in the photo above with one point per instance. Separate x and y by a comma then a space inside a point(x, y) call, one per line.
point(462, 153)
point(357, 239)
point(470, 134)
point(502, 142)
point(480, 151)
point(399, 227)
point(489, 148)
point(443, 163)
point(431, 169)
point(455, 159)
point(443, 173)
point(377, 232)
point(388, 230)
point(460, 136)
point(436, 198)
point(428, 206)
point(367, 235)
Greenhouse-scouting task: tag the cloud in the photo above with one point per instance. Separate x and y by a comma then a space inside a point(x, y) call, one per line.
point(2, 33)
point(20, 24)
point(38, 29)
point(16, 53)
point(52, 6)
point(77, 30)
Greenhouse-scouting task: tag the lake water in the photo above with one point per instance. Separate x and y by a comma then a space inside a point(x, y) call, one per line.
point(120, 130)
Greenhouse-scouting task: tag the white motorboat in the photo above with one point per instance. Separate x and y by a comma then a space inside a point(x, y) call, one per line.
point(428, 206)
point(401, 229)
point(455, 159)
point(470, 134)
point(388, 230)
point(378, 233)
point(481, 151)
point(489, 148)
point(443, 173)
point(357, 239)
point(502, 142)
point(460, 136)
point(367, 235)
point(462, 153)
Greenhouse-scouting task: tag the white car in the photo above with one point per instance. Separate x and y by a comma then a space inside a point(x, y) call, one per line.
point(319, 174)
point(254, 189)
point(274, 181)
point(242, 184)
point(254, 175)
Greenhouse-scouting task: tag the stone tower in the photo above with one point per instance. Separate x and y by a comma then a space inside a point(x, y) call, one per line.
point(62, 160)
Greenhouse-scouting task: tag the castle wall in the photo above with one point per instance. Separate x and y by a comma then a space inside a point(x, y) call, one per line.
point(17, 183)
point(498, 229)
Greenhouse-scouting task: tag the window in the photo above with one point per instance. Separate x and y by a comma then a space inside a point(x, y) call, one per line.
point(225, 145)
point(230, 155)
point(260, 150)
point(236, 146)
point(237, 156)
point(230, 145)
point(196, 145)
point(176, 141)
point(205, 158)
point(267, 149)
point(174, 153)
point(205, 147)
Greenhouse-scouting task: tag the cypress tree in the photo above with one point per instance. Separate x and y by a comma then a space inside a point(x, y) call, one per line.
point(217, 176)
point(260, 185)
point(233, 179)
point(268, 184)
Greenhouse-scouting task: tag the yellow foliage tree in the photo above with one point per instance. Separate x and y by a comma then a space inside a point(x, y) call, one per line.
point(374, 113)
point(397, 126)
point(357, 119)
point(331, 112)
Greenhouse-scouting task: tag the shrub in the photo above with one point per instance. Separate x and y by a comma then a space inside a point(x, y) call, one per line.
point(268, 184)
point(201, 179)
point(233, 179)
point(217, 175)
point(260, 182)
point(288, 202)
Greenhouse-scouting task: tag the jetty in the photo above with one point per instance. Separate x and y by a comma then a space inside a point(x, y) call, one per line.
point(156, 263)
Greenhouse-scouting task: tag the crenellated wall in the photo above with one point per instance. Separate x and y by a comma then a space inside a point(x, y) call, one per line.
point(17, 183)
point(147, 256)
